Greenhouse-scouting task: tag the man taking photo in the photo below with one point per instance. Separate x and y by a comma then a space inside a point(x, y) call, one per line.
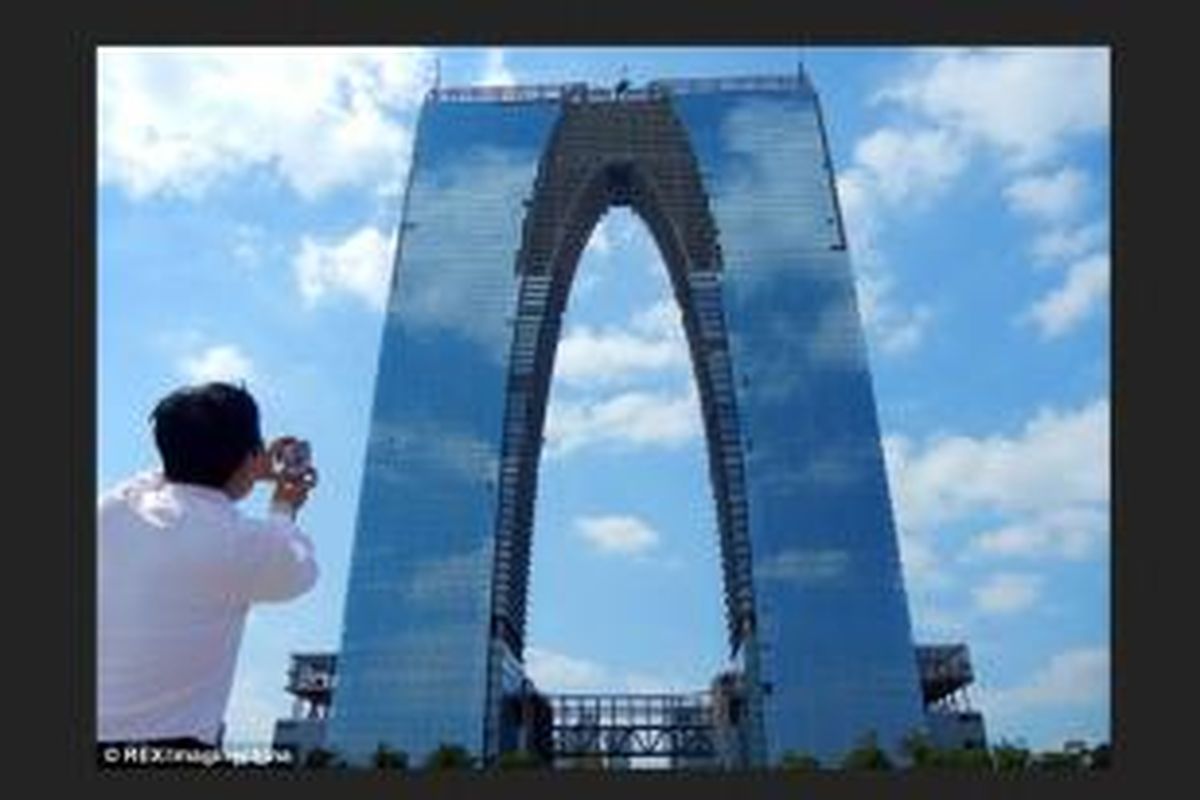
point(179, 565)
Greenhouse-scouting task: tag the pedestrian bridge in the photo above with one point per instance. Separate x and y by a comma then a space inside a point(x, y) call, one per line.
point(688, 730)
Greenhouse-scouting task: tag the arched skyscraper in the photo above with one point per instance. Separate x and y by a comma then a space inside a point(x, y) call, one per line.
point(734, 181)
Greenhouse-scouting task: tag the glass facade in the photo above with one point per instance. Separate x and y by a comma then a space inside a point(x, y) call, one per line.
point(834, 639)
point(734, 181)
point(414, 653)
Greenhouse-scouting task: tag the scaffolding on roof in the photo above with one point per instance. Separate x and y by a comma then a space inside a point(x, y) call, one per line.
point(579, 92)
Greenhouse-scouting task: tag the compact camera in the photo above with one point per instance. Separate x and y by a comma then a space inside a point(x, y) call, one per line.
point(294, 462)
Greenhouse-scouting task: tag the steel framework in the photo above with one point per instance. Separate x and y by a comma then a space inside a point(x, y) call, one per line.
point(584, 93)
point(600, 156)
point(619, 727)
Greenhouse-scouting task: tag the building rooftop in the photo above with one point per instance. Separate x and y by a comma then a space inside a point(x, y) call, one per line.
point(623, 90)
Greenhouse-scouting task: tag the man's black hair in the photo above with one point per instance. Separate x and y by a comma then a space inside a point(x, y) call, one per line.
point(204, 433)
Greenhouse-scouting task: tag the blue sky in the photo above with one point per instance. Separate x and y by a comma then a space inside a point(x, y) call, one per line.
point(248, 201)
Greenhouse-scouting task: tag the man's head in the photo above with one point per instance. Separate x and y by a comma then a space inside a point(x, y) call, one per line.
point(209, 435)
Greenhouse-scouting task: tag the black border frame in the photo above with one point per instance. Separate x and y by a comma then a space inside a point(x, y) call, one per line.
point(62, 740)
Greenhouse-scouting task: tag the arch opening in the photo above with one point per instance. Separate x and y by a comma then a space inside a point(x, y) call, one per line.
point(632, 552)
point(577, 182)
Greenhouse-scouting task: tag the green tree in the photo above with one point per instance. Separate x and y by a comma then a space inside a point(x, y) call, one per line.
point(518, 759)
point(867, 755)
point(1009, 757)
point(798, 761)
point(449, 756)
point(586, 761)
point(1101, 756)
point(320, 758)
point(1057, 761)
point(923, 754)
point(919, 750)
point(385, 757)
point(974, 758)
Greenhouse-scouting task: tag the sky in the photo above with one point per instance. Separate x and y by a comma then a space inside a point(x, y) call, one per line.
point(248, 200)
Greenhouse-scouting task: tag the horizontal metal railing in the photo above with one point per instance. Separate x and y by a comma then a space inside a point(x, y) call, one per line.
point(582, 93)
point(634, 725)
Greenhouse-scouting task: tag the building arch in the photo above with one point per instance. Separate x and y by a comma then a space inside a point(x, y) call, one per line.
point(505, 190)
point(593, 162)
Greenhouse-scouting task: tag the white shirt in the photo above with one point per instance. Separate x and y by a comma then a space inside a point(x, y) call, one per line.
point(178, 567)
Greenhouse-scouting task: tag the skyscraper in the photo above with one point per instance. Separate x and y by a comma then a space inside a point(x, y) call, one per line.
point(734, 181)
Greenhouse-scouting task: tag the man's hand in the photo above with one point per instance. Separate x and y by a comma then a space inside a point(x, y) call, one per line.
point(290, 493)
point(272, 454)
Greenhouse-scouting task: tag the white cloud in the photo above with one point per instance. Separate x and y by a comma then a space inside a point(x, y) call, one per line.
point(1086, 285)
point(740, 195)
point(223, 362)
point(553, 671)
point(619, 227)
point(248, 244)
point(1026, 102)
point(904, 335)
point(557, 672)
point(176, 120)
point(894, 328)
point(865, 198)
point(591, 356)
point(1007, 593)
point(617, 533)
point(834, 339)
point(637, 683)
point(1071, 533)
point(460, 454)
point(495, 70)
point(1049, 485)
point(891, 169)
point(449, 260)
point(894, 171)
point(1078, 677)
point(804, 566)
point(861, 215)
point(653, 342)
point(600, 243)
point(608, 247)
point(434, 581)
point(634, 418)
point(254, 708)
point(1053, 197)
point(1060, 459)
point(931, 623)
point(920, 561)
point(907, 167)
point(1064, 244)
point(662, 319)
point(359, 265)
